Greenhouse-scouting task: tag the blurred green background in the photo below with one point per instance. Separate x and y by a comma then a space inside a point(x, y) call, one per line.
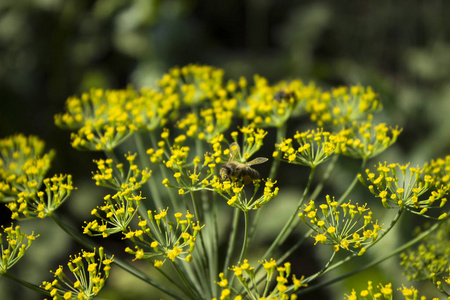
point(52, 49)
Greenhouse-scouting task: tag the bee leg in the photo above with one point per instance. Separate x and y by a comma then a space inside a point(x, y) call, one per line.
point(247, 179)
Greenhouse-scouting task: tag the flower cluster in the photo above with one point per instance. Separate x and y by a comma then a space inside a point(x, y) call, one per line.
point(314, 148)
point(246, 276)
point(187, 117)
point(412, 190)
point(89, 279)
point(100, 118)
point(13, 247)
point(152, 109)
point(383, 292)
point(340, 225)
point(253, 141)
point(439, 169)
point(160, 237)
point(236, 196)
point(272, 106)
point(43, 203)
point(189, 176)
point(213, 118)
point(343, 105)
point(23, 166)
point(118, 211)
point(193, 83)
point(430, 259)
point(120, 208)
point(366, 140)
point(115, 178)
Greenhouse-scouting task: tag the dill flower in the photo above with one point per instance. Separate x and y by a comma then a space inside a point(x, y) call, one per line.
point(347, 226)
point(187, 176)
point(152, 109)
point(100, 117)
point(343, 105)
point(116, 214)
point(272, 106)
point(383, 292)
point(366, 140)
point(430, 259)
point(114, 177)
point(23, 165)
point(315, 147)
point(412, 190)
point(245, 273)
point(253, 141)
point(13, 247)
point(236, 196)
point(160, 237)
point(42, 204)
point(194, 83)
point(439, 169)
point(88, 276)
point(212, 118)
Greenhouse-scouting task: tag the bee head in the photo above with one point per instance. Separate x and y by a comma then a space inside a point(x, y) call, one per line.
point(225, 173)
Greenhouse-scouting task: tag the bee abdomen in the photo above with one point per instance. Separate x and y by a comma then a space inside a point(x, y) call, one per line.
point(252, 173)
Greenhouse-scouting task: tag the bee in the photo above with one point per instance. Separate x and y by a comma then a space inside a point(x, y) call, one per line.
point(235, 171)
point(284, 95)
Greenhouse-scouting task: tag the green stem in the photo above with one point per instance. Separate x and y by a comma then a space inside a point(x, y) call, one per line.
point(214, 235)
point(325, 177)
point(393, 222)
point(205, 258)
point(287, 229)
point(164, 174)
point(244, 245)
point(314, 196)
point(26, 284)
point(281, 133)
point(82, 240)
point(169, 278)
point(373, 263)
point(211, 251)
point(111, 155)
point(185, 282)
point(323, 270)
point(353, 184)
point(231, 240)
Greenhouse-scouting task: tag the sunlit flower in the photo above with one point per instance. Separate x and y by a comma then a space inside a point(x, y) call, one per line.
point(88, 276)
point(13, 246)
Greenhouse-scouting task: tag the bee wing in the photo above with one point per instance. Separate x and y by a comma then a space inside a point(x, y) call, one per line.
point(234, 151)
point(256, 161)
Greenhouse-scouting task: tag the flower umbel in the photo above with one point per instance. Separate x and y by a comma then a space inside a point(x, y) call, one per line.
point(159, 237)
point(43, 203)
point(343, 105)
point(430, 259)
point(347, 226)
point(246, 276)
point(384, 292)
point(102, 119)
point(366, 140)
point(22, 166)
point(89, 277)
point(412, 190)
point(13, 247)
point(115, 178)
point(314, 148)
point(117, 212)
